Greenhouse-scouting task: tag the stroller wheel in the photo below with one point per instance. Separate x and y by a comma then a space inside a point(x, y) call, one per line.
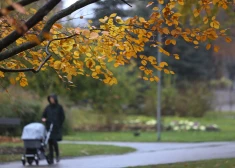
point(30, 160)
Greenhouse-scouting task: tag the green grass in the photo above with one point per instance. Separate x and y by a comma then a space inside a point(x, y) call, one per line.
point(218, 163)
point(72, 150)
point(225, 121)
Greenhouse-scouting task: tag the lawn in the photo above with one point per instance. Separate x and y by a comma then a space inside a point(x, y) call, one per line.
point(225, 121)
point(70, 150)
point(218, 163)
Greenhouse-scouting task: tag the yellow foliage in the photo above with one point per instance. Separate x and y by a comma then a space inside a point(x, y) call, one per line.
point(79, 51)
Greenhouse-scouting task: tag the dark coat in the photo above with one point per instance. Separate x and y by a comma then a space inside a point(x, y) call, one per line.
point(54, 113)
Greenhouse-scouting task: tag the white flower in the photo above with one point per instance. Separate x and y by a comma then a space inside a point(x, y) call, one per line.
point(202, 128)
point(176, 128)
point(151, 122)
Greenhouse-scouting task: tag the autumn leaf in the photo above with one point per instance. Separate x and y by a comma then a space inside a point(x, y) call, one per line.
point(150, 3)
point(113, 15)
point(167, 42)
point(2, 75)
point(196, 13)
point(181, 2)
point(23, 82)
point(216, 48)
point(208, 46)
point(94, 35)
point(161, 1)
point(163, 64)
point(57, 65)
point(228, 39)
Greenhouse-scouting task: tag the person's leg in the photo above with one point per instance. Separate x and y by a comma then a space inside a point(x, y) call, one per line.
point(56, 147)
point(51, 152)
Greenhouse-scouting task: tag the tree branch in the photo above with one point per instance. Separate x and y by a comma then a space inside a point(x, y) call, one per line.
point(126, 2)
point(63, 13)
point(37, 17)
point(22, 3)
point(42, 64)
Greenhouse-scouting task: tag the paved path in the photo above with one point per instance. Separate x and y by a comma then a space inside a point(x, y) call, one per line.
point(146, 154)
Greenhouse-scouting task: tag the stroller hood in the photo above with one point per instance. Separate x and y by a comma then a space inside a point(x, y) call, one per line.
point(34, 131)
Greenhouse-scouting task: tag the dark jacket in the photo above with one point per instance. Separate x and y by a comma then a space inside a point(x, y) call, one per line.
point(54, 113)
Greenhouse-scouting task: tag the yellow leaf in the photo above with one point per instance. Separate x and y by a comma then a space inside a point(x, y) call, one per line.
point(76, 55)
point(142, 20)
point(104, 20)
point(119, 20)
point(151, 79)
point(195, 42)
point(142, 68)
point(57, 65)
point(94, 35)
point(172, 72)
point(77, 30)
point(113, 81)
point(216, 48)
point(155, 8)
point(228, 39)
point(69, 77)
point(23, 82)
point(90, 63)
point(13, 81)
point(181, 2)
point(145, 78)
point(208, 46)
point(156, 78)
point(1, 74)
point(144, 62)
point(166, 71)
point(173, 41)
point(165, 30)
point(163, 64)
point(161, 1)
point(167, 42)
point(113, 15)
point(205, 20)
point(94, 74)
point(150, 3)
point(196, 13)
point(215, 1)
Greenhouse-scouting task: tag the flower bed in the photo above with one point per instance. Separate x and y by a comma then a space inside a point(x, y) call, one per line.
point(185, 125)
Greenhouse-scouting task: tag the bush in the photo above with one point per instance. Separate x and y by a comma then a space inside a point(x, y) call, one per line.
point(194, 101)
point(22, 104)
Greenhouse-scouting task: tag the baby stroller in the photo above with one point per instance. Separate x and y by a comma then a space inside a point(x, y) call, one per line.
point(35, 139)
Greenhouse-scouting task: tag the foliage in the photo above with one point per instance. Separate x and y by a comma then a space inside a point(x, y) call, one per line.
point(23, 105)
point(86, 51)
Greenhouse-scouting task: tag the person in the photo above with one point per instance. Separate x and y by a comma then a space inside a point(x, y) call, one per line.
point(54, 114)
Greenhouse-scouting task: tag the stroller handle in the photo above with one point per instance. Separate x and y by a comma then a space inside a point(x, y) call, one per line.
point(48, 134)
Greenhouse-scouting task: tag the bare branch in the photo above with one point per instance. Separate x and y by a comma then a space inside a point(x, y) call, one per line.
point(22, 3)
point(126, 2)
point(42, 64)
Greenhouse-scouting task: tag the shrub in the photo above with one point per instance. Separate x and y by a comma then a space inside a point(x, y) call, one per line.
point(18, 103)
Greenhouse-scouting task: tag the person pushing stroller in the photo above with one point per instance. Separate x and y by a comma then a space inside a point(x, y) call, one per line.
point(54, 114)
